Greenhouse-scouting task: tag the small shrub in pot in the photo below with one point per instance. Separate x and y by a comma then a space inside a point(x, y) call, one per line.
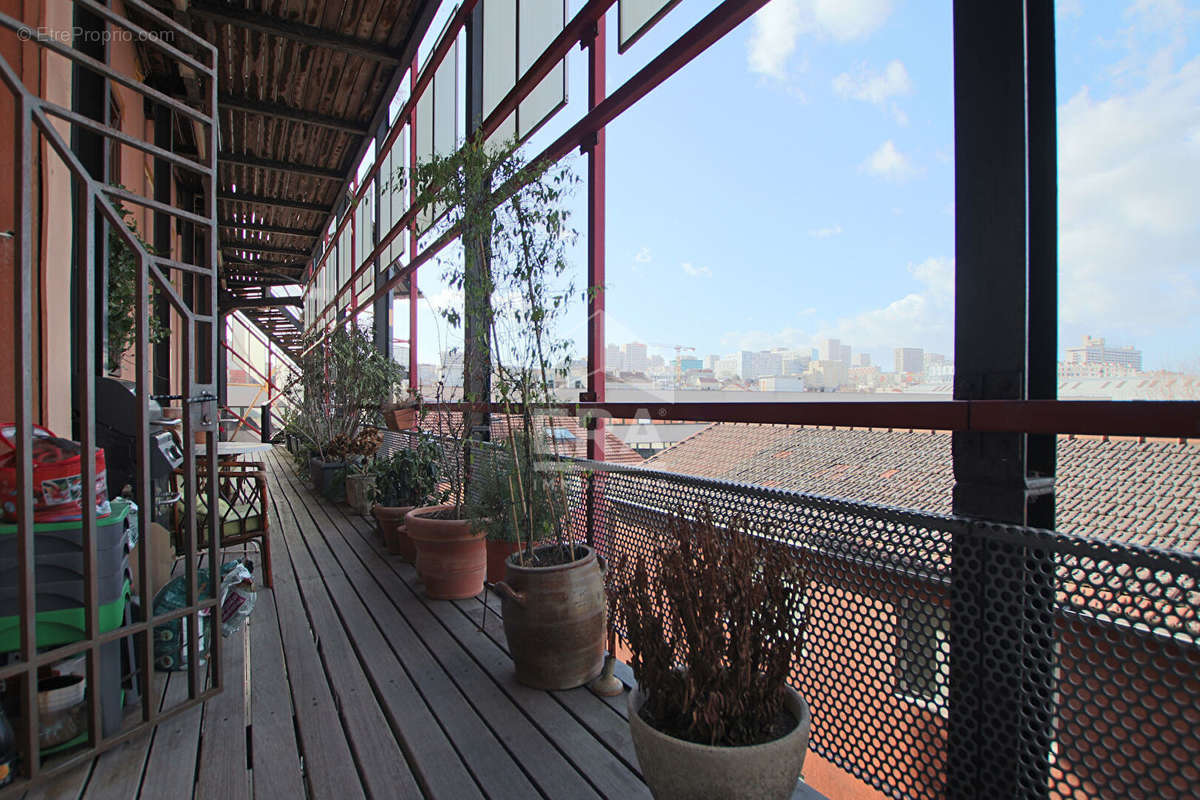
point(714, 616)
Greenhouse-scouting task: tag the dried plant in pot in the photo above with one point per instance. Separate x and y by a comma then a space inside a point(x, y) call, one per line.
point(714, 616)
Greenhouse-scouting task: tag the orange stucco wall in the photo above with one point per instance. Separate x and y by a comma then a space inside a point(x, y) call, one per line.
point(50, 75)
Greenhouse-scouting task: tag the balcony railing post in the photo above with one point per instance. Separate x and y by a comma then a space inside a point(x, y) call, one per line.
point(1001, 634)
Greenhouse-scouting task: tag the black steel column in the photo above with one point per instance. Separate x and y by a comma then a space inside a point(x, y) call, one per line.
point(383, 303)
point(1001, 630)
point(477, 356)
point(89, 97)
point(161, 372)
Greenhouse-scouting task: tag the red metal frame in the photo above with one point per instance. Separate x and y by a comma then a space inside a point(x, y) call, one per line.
point(596, 241)
point(414, 378)
point(1142, 418)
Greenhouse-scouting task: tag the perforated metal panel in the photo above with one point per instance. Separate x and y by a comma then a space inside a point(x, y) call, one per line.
point(1088, 687)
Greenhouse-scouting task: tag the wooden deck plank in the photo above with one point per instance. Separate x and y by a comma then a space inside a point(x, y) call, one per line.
point(329, 768)
point(223, 772)
point(491, 764)
point(171, 765)
point(605, 718)
point(554, 774)
point(118, 773)
point(274, 753)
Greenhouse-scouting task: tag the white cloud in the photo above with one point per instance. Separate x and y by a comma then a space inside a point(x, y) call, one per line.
point(643, 256)
point(1129, 241)
point(874, 87)
point(696, 272)
point(825, 233)
point(889, 163)
point(923, 318)
point(779, 24)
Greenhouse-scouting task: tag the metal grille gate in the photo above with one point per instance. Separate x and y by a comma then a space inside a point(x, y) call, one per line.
point(189, 285)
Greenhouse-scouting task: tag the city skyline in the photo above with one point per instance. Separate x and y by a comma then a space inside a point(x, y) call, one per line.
point(820, 201)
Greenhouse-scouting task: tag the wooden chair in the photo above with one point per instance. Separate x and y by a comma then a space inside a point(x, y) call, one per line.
point(243, 505)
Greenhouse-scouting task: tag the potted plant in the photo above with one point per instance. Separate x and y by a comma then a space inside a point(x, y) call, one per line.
point(714, 616)
point(499, 473)
point(359, 480)
point(514, 276)
point(450, 553)
point(333, 402)
point(405, 414)
point(401, 482)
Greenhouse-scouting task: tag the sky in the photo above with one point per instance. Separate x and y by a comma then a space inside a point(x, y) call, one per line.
point(796, 182)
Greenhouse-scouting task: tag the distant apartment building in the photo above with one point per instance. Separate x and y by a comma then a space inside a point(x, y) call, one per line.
point(826, 375)
point(710, 362)
point(726, 368)
point(781, 383)
point(795, 364)
point(830, 350)
point(864, 360)
point(934, 360)
point(844, 353)
point(690, 362)
point(1094, 351)
point(910, 360)
point(614, 359)
point(636, 359)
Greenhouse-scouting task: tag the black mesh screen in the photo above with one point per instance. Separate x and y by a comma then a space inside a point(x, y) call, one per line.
point(945, 657)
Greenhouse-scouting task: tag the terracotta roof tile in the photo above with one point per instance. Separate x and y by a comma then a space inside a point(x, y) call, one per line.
point(1141, 492)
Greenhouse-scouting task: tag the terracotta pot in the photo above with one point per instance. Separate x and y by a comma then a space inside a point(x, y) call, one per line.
point(554, 620)
point(395, 533)
point(676, 769)
point(451, 554)
point(400, 419)
point(497, 553)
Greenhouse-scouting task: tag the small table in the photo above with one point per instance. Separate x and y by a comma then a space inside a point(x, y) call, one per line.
point(233, 450)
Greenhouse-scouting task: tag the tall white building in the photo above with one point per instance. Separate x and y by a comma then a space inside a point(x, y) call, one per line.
point(635, 357)
point(910, 359)
point(1095, 351)
point(614, 359)
point(831, 350)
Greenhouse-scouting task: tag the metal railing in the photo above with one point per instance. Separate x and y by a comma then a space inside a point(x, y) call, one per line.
point(82, 139)
point(1105, 661)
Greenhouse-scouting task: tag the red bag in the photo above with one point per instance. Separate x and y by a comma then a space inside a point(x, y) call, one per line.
point(57, 493)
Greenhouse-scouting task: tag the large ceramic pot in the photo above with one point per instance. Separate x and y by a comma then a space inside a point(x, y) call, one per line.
point(394, 531)
point(451, 556)
point(498, 552)
point(357, 488)
point(676, 769)
point(554, 620)
point(328, 478)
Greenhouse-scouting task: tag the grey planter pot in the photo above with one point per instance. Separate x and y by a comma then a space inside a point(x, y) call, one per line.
point(679, 770)
point(356, 493)
point(329, 478)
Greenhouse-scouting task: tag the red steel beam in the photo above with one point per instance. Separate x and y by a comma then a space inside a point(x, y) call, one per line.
point(702, 35)
point(1149, 418)
point(596, 241)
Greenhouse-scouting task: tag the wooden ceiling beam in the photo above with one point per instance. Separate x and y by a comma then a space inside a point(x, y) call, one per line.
point(258, 227)
point(298, 32)
point(277, 202)
point(291, 114)
point(263, 247)
point(244, 160)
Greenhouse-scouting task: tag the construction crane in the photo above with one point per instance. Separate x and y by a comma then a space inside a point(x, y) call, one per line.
point(679, 351)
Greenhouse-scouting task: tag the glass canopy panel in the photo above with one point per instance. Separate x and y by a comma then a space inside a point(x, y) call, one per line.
point(499, 62)
point(424, 133)
point(635, 17)
point(539, 22)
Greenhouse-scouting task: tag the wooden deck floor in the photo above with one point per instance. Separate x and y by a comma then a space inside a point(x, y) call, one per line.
point(347, 682)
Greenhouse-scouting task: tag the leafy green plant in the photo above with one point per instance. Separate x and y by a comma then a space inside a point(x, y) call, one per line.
point(123, 270)
point(505, 478)
point(714, 616)
point(333, 402)
point(409, 477)
point(516, 285)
